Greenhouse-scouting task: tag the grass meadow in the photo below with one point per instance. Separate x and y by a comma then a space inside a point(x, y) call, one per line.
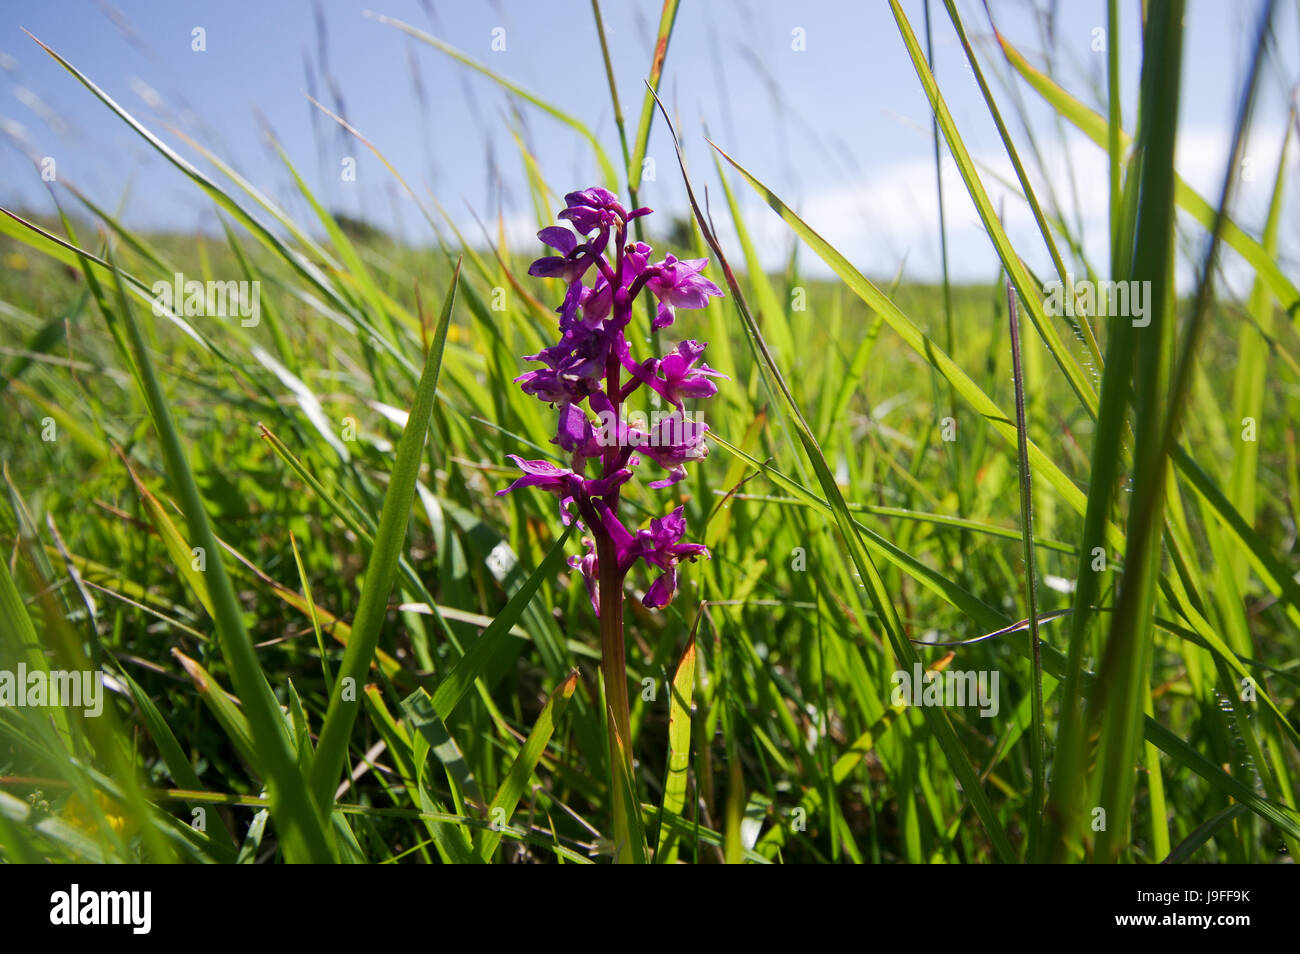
point(321, 635)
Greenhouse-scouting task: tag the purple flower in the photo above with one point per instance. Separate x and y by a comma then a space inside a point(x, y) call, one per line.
point(678, 284)
point(574, 365)
point(621, 539)
point(613, 430)
point(544, 474)
point(604, 486)
point(588, 351)
point(572, 262)
point(575, 433)
point(577, 368)
point(592, 209)
point(564, 483)
point(597, 304)
point(635, 258)
point(554, 384)
point(681, 379)
point(673, 441)
point(587, 566)
point(550, 386)
point(597, 208)
point(660, 546)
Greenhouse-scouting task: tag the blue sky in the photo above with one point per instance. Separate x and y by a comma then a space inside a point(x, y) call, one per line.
point(840, 129)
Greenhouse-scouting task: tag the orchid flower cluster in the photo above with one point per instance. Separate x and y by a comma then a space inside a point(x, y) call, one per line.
point(585, 367)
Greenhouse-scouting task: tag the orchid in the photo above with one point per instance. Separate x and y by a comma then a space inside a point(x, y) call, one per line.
point(585, 366)
point(582, 375)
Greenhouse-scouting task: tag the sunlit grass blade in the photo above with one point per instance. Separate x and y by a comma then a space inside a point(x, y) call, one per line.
point(1030, 293)
point(922, 344)
point(525, 764)
point(1022, 177)
point(667, 17)
point(300, 263)
point(606, 167)
point(1116, 705)
point(903, 651)
point(298, 823)
point(679, 749)
point(331, 750)
point(169, 748)
point(1038, 746)
point(420, 715)
point(1095, 127)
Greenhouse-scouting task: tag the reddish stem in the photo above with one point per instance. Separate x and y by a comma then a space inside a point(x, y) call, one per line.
point(613, 659)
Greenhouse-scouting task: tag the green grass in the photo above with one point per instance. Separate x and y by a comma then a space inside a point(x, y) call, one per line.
point(323, 629)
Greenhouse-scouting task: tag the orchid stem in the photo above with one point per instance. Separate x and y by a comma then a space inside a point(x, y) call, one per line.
point(592, 323)
point(613, 658)
point(613, 668)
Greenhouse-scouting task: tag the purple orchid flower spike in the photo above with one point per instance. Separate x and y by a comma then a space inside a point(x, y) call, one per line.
point(582, 375)
point(583, 368)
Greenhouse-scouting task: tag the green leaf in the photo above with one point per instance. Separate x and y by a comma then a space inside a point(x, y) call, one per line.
point(456, 683)
point(418, 707)
point(876, 591)
point(299, 824)
point(679, 750)
point(331, 749)
point(606, 167)
point(525, 763)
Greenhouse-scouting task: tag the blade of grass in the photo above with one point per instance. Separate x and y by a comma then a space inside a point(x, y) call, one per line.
point(1116, 706)
point(1038, 747)
point(525, 763)
point(1096, 128)
point(299, 825)
point(679, 748)
point(667, 17)
point(888, 615)
point(606, 167)
point(1030, 293)
point(458, 682)
point(1204, 832)
point(372, 607)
